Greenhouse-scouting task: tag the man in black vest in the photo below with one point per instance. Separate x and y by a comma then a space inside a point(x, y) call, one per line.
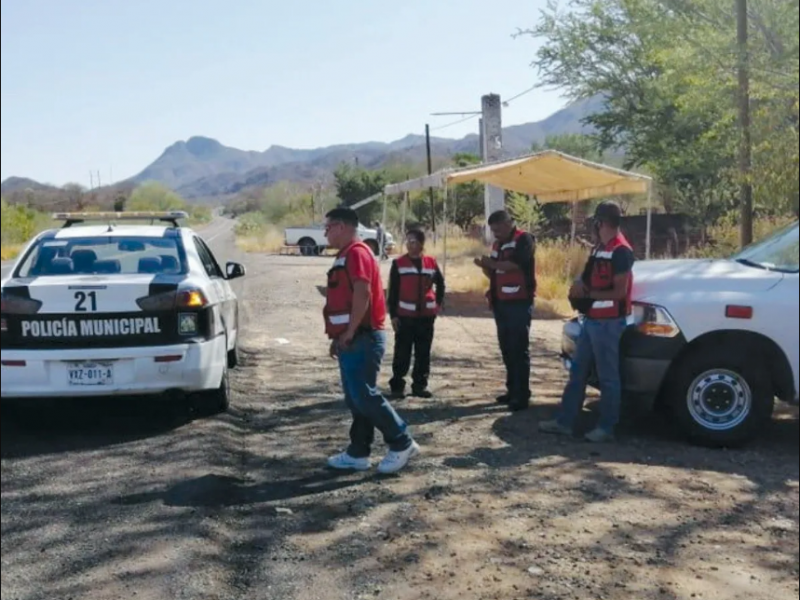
point(512, 271)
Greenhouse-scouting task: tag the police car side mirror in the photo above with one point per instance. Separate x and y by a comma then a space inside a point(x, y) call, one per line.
point(235, 270)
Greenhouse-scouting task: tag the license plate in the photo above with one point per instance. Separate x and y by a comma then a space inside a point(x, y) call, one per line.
point(90, 374)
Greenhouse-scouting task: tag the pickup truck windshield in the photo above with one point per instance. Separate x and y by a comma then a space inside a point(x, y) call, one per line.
point(781, 252)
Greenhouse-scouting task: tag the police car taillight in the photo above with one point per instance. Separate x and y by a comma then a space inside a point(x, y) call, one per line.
point(15, 305)
point(193, 299)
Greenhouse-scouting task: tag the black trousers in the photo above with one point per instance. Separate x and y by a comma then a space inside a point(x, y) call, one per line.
point(413, 336)
point(514, 333)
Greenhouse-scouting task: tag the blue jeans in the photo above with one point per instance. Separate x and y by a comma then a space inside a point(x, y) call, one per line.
point(514, 332)
point(598, 345)
point(360, 365)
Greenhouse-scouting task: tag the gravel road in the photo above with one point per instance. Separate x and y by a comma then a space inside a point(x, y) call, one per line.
point(141, 499)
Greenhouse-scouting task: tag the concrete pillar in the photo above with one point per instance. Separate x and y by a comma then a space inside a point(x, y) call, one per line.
point(493, 150)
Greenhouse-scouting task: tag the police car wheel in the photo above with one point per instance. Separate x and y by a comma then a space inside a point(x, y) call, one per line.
point(233, 358)
point(214, 402)
point(721, 397)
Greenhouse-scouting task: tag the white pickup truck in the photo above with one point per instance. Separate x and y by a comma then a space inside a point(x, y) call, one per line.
point(312, 240)
point(714, 341)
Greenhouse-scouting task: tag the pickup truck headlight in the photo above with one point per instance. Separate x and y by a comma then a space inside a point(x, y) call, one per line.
point(654, 321)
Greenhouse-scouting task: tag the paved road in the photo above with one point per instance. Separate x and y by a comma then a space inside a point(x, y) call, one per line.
point(4, 269)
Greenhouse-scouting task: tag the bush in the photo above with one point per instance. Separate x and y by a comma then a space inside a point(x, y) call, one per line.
point(254, 233)
point(724, 237)
point(20, 224)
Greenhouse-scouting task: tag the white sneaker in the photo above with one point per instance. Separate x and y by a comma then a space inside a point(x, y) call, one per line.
point(345, 462)
point(397, 461)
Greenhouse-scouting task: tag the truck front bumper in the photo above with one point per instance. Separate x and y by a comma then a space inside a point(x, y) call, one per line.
point(644, 364)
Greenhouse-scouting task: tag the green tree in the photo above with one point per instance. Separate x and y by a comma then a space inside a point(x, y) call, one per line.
point(354, 184)
point(667, 71)
point(469, 199)
point(155, 197)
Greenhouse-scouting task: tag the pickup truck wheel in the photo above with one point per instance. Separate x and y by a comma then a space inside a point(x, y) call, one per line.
point(722, 397)
point(308, 247)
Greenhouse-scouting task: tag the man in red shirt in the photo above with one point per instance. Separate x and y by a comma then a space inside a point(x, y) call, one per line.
point(355, 314)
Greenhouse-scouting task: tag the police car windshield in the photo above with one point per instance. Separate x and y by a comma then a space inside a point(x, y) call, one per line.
point(104, 256)
point(781, 252)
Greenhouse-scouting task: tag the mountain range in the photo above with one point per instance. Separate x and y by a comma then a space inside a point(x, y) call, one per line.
point(203, 168)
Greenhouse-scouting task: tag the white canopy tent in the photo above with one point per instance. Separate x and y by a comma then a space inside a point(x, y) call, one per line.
point(549, 176)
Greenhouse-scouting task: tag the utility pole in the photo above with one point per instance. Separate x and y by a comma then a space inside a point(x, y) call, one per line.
point(430, 172)
point(745, 123)
point(492, 130)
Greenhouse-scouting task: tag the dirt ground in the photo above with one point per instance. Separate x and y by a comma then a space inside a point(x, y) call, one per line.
point(116, 500)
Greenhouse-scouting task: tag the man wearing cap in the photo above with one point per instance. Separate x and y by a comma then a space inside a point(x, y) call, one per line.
point(603, 294)
point(512, 271)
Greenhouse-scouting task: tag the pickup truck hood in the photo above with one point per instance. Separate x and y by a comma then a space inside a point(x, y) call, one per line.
point(658, 279)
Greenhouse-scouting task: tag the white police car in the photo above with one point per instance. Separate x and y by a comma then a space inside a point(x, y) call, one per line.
point(119, 309)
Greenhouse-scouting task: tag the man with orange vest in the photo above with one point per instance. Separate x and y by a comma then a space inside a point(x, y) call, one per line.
point(355, 314)
point(603, 295)
point(512, 271)
point(416, 293)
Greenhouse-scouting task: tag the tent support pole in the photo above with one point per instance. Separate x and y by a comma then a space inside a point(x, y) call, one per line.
point(574, 222)
point(383, 225)
point(649, 247)
point(444, 266)
point(405, 208)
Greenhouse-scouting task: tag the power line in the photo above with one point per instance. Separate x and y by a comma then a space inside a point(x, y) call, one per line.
point(476, 115)
point(520, 95)
point(454, 123)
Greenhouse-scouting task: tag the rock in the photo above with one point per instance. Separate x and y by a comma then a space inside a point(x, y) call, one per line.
point(284, 512)
point(535, 572)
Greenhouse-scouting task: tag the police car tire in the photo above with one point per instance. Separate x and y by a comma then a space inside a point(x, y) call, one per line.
point(233, 358)
point(722, 360)
point(217, 401)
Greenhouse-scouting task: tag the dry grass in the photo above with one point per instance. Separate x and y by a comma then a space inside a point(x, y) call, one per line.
point(268, 241)
point(10, 252)
point(458, 247)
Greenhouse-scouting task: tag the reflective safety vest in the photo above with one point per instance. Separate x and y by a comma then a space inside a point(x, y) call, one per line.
point(417, 296)
point(339, 305)
point(514, 286)
point(601, 279)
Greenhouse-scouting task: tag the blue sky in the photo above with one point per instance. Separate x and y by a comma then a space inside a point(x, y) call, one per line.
point(108, 84)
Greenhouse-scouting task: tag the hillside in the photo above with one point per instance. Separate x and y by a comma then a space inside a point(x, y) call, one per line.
point(202, 168)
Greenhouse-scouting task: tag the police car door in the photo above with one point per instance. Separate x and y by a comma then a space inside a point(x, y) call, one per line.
point(220, 290)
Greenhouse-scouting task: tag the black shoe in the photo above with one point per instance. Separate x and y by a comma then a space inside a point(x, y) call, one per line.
point(504, 399)
point(425, 394)
point(398, 395)
point(519, 406)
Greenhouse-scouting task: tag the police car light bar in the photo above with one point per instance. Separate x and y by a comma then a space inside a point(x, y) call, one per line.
point(74, 218)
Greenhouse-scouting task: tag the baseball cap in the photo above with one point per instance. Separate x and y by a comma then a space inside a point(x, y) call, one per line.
point(608, 212)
